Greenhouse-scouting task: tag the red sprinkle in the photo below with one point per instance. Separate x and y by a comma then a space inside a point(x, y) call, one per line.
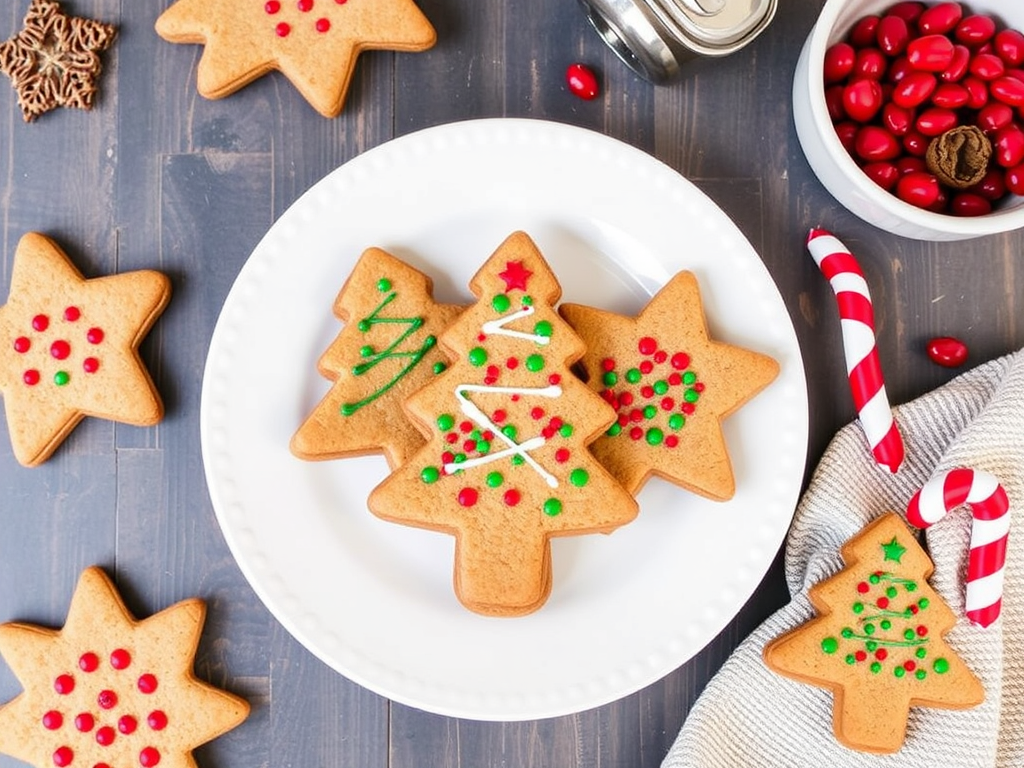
point(40, 323)
point(127, 724)
point(283, 29)
point(63, 756)
point(71, 314)
point(608, 364)
point(323, 25)
point(512, 363)
point(554, 379)
point(647, 346)
point(863, 588)
point(512, 497)
point(149, 757)
point(105, 736)
point(22, 345)
point(468, 497)
point(881, 654)
point(88, 662)
point(60, 349)
point(671, 441)
point(90, 365)
point(537, 413)
point(646, 367)
point(94, 335)
point(626, 398)
point(64, 684)
point(922, 630)
point(562, 455)
point(466, 426)
point(157, 720)
point(84, 722)
point(305, 5)
point(272, 6)
point(636, 433)
point(147, 683)
point(53, 720)
point(499, 416)
point(107, 699)
point(660, 356)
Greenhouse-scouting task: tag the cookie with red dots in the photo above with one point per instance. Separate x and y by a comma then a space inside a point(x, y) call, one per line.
point(506, 465)
point(314, 43)
point(878, 641)
point(385, 352)
point(69, 348)
point(110, 690)
point(671, 386)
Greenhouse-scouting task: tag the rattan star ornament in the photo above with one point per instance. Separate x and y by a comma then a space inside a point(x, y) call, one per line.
point(54, 60)
point(69, 348)
point(314, 43)
point(110, 690)
point(672, 386)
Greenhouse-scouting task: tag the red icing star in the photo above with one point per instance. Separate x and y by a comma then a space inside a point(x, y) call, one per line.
point(515, 276)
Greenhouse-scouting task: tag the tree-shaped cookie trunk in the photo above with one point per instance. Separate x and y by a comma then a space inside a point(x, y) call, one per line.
point(878, 641)
point(506, 466)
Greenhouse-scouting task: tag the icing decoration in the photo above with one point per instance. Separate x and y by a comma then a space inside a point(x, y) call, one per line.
point(497, 327)
point(515, 276)
point(990, 529)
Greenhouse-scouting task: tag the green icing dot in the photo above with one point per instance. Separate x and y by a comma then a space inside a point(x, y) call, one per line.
point(483, 446)
point(689, 377)
point(920, 674)
point(922, 603)
point(869, 629)
point(661, 387)
point(899, 671)
point(445, 422)
point(654, 436)
point(565, 430)
point(610, 378)
point(475, 434)
point(527, 300)
point(579, 477)
point(908, 634)
point(430, 474)
point(459, 458)
point(677, 421)
point(614, 429)
point(847, 632)
point(552, 507)
point(858, 607)
point(60, 378)
point(691, 395)
point(892, 591)
point(495, 479)
point(439, 367)
point(501, 303)
point(874, 578)
point(365, 351)
point(383, 285)
point(535, 363)
point(364, 325)
point(518, 460)
point(911, 586)
point(509, 431)
point(543, 328)
point(885, 624)
point(941, 666)
point(851, 659)
point(871, 645)
point(650, 412)
point(830, 645)
point(633, 375)
point(478, 356)
point(921, 653)
point(876, 667)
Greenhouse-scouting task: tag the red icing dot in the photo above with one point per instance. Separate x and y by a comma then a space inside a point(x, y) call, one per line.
point(660, 356)
point(675, 378)
point(447, 457)
point(537, 412)
point(101, 765)
point(127, 724)
point(922, 630)
point(562, 455)
point(512, 497)
point(149, 757)
point(909, 665)
point(94, 335)
point(914, 609)
point(623, 419)
point(107, 699)
point(881, 654)
point(157, 720)
point(340, 2)
point(53, 720)
point(647, 391)
point(60, 349)
point(466, 426)
point(647, 346)
point(451, 437)
point(64, 684)
point(147, 683)
point(105, 736)
point(699, 386)
point(608, 364)
point(667, 404)
point(636, 415)
point(481, 337)
point(646, 367)
point(282, 29)
point(687, 408)
point(860, 655)
point(554, 379)
point(626, 398)
point(488, 380)
point(88, 662)
point(636, 433)
point(863, 587)
point(548, 433)
point(84, 722)
point(514, 398)
point(305, 5)
point(40, 323)
point(63, 756)
point(680, 361)
point(323, 25)
point(512, 363)
point(883, 602)
point(22, 345)
point(71, 314)
point(493, 370)
point(469, 445)
point(272, 6)
point(671, 441)
point(499, 416)
point(468, 497)
point(487, 435)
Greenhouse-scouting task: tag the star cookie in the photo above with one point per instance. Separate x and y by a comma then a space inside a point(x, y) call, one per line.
point(671, 386)
point(54, 60)
point(109, 690)
point(386, 351)
point(314, 43)
point(877, 641)
point(69, 348)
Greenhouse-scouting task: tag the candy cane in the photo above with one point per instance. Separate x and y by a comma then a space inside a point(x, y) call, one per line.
point(989, 532)
point(862, 365)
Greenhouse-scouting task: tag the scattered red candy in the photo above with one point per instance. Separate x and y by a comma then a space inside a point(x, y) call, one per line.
point(582, 81)
point(947, 351)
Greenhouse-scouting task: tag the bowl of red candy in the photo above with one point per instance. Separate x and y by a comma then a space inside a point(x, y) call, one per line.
point(912, 114)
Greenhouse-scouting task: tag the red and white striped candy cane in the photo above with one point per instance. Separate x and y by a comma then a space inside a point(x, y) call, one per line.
point(989, 532)
point(857, 318)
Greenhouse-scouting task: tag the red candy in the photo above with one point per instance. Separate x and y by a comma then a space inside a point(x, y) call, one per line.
point(918, 188)
point(914, 89)
point(931, 53)
point(862, 99)
point(986, 66)
point(975, 30)
point(839, 60)
point(582, 81)
point(940, 19)
point(874, 143)
point(1009, 46)
point(892, 34)
point(958, 66)
point(951, 96)
point(936, 121)
point(947, 351)
point(1008, 146)
point(1008, 90)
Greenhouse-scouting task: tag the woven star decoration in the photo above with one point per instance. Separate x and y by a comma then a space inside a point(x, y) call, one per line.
point(54, 60)
point(108, 689)
point(314, 43)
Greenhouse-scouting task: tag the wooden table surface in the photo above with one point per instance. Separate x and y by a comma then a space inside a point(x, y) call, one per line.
point(158, 177)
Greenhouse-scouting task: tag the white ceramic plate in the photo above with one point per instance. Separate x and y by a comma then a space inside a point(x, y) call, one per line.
point(374, 600)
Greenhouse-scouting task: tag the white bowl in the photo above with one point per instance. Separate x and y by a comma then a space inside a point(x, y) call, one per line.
point(837, 170)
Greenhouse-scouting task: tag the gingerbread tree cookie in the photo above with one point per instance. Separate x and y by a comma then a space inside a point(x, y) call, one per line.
point(671, 385)
point(386, 351)
point(314, 43)
point(878, 641)
point(109, 690)
point(69, 348)
point(506, 466)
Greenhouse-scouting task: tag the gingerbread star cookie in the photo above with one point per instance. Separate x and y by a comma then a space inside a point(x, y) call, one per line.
point(69, 348)
point(386, 351)
point(671, 386)
point(54, 60)
point(877, 641)
point(110, 690)
point(314, 43)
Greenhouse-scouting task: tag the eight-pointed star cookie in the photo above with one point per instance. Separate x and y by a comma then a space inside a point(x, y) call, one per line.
point(314, 43)
point(672, 385)
point(69, 348)
point(109, 689)
point(54, 60)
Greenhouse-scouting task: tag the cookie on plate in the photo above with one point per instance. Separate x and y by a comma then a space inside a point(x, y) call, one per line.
point(386, 351)
point(69, 348)
point(671, 385)
point(314, 43)
point(506, 465)
point(108, 689)
point(877, 641)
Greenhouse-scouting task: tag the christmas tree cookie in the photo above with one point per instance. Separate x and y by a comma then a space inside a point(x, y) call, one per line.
point(110, 690)
point(506, 465)
point(386, 351)
point(877, 641)
point(671, 386)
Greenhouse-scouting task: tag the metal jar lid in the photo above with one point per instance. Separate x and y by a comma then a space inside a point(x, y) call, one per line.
point(655, 36)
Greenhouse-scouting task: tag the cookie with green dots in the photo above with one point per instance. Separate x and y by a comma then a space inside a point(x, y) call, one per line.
point(386, 350)
point(878, 641)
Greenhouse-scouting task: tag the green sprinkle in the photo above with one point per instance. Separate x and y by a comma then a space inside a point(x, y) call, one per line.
point(565, 430)
point(920, 674)
point(543, 328)
point(921, 653)
point(518, 460)
point(650, 412)
point(661, 387)
point(899, 671)
point(495, 479)
point(610, 378)
point(941, 666)
point(364, 325)
point(892, 592)
point(847, 632)
point(911, 586)
point(552, 507)
point(885, 624)
point(874, 578)
point(535, 363)
point(871, 645)
point(475, 434)
point(869, 629)
point(633, 375)
point(908, 634)
point(459, 458)
point(677, 421)
point(830, 645)
point(445, 422)
point(483, 446)
point(876, 667)
point(439, 367)
point(527, 300)
point(689, 377)
point(858, 607)
point(922, 603)
point(691, 395)
point(509, 431)
point(579, 477)
point(614, 429)
point(430, 474)
point(383, 285)
point(478, 356)
point(501, 303)
point(366, 351)
point(654, 436)
point(60, 378)
point(851, 659)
